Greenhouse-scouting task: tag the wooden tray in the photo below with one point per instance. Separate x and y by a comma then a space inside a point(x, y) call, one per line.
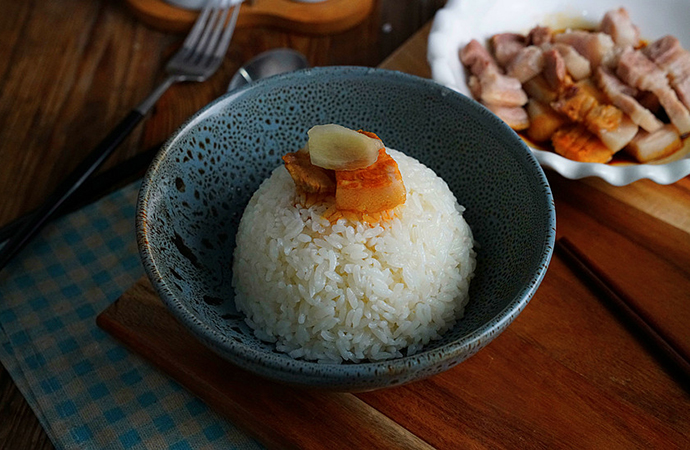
point(567, 373)
point(328, 17)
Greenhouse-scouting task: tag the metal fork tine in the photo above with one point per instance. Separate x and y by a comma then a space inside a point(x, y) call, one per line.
point(198, 27)
point(222, 18)
point(227, 34)
point(209, 26)
point(204, 49)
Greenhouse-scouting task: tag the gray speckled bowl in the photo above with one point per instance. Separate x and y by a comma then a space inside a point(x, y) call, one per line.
point(195, 191)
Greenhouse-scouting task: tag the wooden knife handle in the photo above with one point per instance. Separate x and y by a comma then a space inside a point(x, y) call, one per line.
point(327, 17)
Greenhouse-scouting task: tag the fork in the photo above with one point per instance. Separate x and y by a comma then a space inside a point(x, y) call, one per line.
point(200, 56)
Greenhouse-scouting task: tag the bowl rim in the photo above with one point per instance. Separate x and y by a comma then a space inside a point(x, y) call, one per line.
point(441, 51)
point(273, 366)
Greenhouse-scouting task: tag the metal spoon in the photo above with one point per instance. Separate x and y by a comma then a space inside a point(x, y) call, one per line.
point(267, 64)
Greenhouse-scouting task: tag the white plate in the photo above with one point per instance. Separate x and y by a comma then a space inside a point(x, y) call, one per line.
point(462, 20)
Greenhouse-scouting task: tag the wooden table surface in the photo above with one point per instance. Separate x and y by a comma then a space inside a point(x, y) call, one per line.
point(623, 393)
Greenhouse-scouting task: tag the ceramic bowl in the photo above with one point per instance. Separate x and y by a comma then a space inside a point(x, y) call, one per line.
point(195, 191)
point(462, 20)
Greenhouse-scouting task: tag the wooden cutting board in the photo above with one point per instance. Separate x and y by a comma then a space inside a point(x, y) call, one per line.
point(567, 373)
point(327, 17)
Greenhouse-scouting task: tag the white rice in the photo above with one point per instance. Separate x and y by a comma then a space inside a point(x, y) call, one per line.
point(350, 291)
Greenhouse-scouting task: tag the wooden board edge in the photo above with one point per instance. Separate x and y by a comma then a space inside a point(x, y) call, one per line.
point(384, 431)
point(335, 16)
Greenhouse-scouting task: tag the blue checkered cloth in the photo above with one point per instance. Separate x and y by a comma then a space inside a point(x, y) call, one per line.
point(88, 391)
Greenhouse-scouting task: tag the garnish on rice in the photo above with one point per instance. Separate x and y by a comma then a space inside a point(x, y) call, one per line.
point(349, 168)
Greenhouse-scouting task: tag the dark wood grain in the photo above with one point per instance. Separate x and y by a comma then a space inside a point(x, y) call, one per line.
point(20, 428)
point(66, 85)
point(648, 261)
point(72, 69)
point(649, 232)
point(661, 331)
point(407, 56)
point(401, 19)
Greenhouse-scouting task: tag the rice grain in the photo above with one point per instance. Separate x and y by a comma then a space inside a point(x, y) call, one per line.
point(352, 291)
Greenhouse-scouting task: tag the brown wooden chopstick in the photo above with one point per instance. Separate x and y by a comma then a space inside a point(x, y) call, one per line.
point(594, 277)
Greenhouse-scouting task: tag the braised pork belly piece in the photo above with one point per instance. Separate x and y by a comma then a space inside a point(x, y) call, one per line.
point(309, 179)
point(669, 55)
point(579, 105)
point(676, 111)
point(623, 97)
point(617, 138)
point(502, 94)
point(543, 121)
point(493, 88)
point(648, 147)
point(577, 65)
point(487, 83)
point(538, 89)
point(674, 60)
point(554, 71)
point(618, 25)
point(597, 47)
point(540, 35)
point(528, 63)
point(608, 123)
point(587, 94)
point(476, 58)
point(516, 117)
point(635, 69)
point(506, 46)
point(575, 142)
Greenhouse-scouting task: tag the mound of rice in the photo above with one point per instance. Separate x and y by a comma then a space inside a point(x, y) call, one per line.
point(352, 291)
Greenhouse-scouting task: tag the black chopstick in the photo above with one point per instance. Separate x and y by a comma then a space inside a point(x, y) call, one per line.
point(68, 187)
point(92, 189)
point(600, 281)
